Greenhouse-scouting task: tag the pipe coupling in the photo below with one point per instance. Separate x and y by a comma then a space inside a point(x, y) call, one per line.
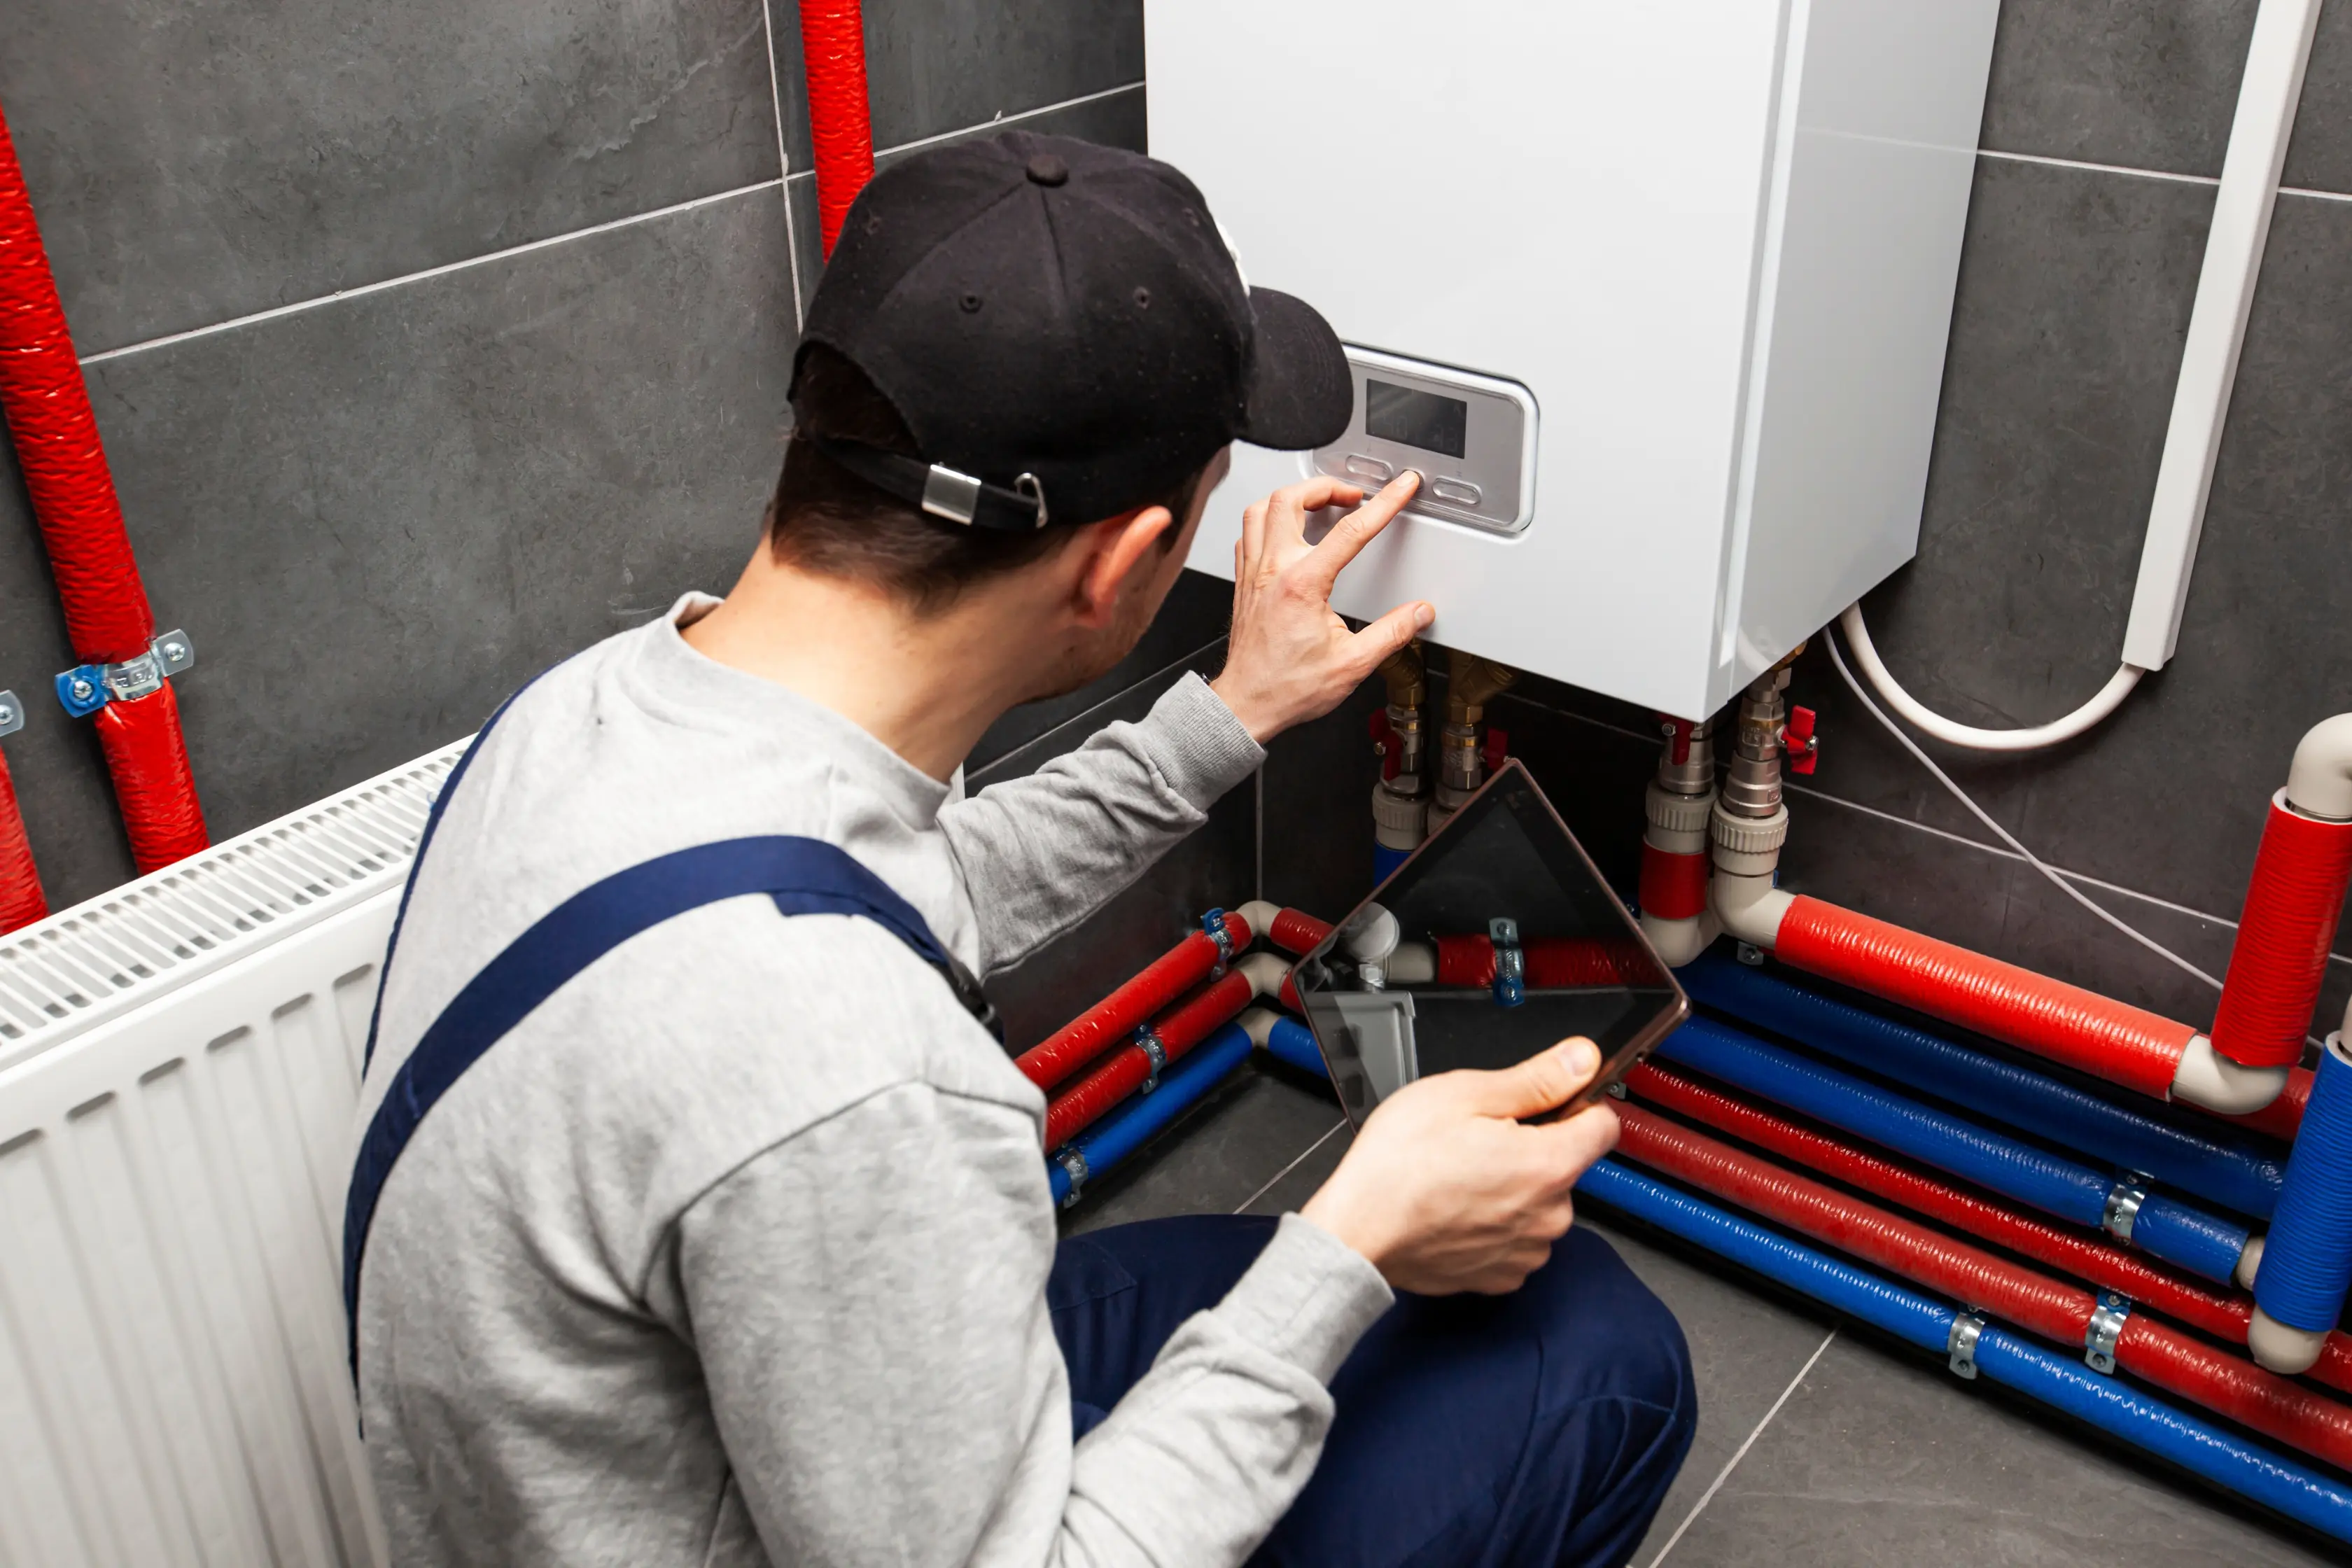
point(1398, 821)
point(1747, 846)
point(1673, 812)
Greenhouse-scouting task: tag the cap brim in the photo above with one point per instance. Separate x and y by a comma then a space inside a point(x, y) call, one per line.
point(1300, 395)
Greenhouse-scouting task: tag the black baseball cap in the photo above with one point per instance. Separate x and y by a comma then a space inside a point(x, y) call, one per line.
point(1064, 330)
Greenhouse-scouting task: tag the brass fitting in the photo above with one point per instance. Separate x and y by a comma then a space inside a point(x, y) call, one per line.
point(1408, 695)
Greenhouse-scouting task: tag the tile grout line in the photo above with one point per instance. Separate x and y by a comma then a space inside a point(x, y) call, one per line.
point(1331, 1131)
point(775, 94)
point(2082, 877)
point(361, 290)
point(783, 161)
point(1036, 741)
point(2048, 162)
point(1740, 1453)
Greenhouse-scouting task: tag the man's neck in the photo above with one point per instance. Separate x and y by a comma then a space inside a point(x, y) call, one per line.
point(925, 686)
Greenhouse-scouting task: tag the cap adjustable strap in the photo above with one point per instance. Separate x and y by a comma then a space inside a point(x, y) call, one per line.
point(940, 491)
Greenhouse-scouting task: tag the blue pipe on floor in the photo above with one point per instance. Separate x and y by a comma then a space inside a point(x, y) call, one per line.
point(2165, 1228)
point(2112, 1406)
point(1185, 1083)
point(2237, 1177)
point(1291, 1041)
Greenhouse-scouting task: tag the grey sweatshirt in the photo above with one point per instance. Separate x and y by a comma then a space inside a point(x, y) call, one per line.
point(734, 1251)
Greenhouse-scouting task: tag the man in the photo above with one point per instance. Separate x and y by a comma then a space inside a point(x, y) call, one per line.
point(697, 1226)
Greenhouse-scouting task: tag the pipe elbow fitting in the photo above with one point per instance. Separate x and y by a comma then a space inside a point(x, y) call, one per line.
point(1677, 941)
point(1259, 913)
point(1259, 1025)
point(2319, 781)
point(2290, 1351)
point(2208, 1078)
point(1748, 906)
point(1413, 963)
point(1264, 971)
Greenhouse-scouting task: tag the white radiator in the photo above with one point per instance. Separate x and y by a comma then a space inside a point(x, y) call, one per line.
point(179, 1063)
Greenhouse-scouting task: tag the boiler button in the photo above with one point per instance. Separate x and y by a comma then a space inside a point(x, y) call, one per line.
point(1461, 492)
point(1371, 468)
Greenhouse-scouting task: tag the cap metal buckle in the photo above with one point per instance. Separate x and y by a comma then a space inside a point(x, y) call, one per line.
point(950, 495)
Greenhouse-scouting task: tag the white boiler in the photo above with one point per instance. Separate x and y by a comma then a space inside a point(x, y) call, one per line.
point(1654, 296)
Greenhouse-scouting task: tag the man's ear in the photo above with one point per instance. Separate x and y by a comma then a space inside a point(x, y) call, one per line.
point(1118, 546)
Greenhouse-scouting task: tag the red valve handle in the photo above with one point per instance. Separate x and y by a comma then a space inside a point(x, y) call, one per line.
point(1797, 739)
point(1384, 745)
point(1497, 748)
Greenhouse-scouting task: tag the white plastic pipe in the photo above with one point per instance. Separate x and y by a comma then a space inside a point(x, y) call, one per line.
point(2267, 96)
point(2267, 99)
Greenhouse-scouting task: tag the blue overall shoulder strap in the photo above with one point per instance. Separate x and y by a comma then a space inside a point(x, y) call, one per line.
point(804, 875)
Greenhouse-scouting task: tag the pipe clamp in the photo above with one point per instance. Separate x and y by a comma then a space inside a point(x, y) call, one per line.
point(2124, 1201)
point(2106, 1328)
point(1214, 922)
point(87, 687)
point(1148, 1041)
point(1510, 961)
point(12, 713)
point(1072, 1161)
point(1960, 1350)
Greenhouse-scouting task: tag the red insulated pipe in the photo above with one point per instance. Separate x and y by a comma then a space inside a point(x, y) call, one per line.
point(21, 902)
point(2098, 1259)
point(1674, 886)
point(2240, 1390)
point(1295, 932)
point(47, 405)
point(2161, 1355)
point(2079, 1029)
point(1557, 961)
point(841, 127)
point(1124, 1072)
point(1114, 1019)
point(2289, 924)
point(1952, 1268)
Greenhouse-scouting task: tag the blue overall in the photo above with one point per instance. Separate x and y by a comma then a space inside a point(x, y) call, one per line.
point(1539, 1427)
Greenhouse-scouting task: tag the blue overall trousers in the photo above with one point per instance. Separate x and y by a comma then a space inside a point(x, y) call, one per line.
point(1538, 1427)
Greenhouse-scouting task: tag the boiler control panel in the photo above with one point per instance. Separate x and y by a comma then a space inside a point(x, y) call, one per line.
point(1471, 437)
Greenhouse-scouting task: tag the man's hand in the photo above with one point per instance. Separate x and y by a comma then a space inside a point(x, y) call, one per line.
point(1290, 657)
point(1446, 1190)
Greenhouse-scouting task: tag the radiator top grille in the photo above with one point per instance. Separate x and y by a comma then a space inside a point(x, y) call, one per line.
point(61, 976)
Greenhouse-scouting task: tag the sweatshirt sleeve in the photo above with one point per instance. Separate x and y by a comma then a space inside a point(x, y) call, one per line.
point(868, 1300)
point(1041, 853)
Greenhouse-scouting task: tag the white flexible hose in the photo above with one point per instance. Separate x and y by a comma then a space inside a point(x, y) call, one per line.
point(1866, 653)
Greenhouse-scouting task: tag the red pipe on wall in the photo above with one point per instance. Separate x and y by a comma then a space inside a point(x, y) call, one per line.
point(2280, 955)
point(21, 900)
point(2163, 1355)
point(47, 405)
point(1561, 961)
point(2079, 1029)
point(841, 128)
point(1295, 932)
point(1124, 1072)
point(1160, 983)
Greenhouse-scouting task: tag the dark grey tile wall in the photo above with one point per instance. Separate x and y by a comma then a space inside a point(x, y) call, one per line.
point(377, 514)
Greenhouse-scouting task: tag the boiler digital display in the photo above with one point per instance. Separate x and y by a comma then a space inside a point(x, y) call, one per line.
point(1420, 419)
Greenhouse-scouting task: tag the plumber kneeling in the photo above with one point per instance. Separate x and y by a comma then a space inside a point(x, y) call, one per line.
point(700, 1215)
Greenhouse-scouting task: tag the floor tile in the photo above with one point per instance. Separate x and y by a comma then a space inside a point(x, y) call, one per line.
point(1882, 1457)
point(1745, 1351)
point(1228, 1147)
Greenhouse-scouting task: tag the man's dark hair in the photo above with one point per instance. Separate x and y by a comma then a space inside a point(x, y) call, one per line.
point(827, 519)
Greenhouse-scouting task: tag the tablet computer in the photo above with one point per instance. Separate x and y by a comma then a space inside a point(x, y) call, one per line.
point(1496, 939)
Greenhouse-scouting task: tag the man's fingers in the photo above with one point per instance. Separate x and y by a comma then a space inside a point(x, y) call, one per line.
point(1387, 635)
point(1361, 527)
point(1253, 538)
point(1541, 1083)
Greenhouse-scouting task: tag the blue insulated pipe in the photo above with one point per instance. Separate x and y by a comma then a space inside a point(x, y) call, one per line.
point(2234, 1176)
point(1188, 1080)
point(1292, 1042)
point(2065, 1384)
point(2166, 1229)
point(2307, 1260)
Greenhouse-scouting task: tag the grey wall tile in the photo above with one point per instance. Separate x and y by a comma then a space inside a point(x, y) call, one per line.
point(2059, 384)
point(190, 164)
point(379, 516)
point(936, 66)
point(2153, 84)
point(1221, 1153)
